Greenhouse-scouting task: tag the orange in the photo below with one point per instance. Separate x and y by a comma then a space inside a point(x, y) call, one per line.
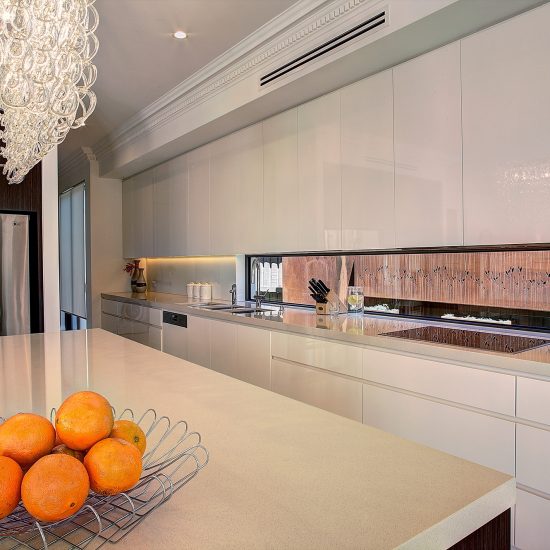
point(114, 465)
point(11, 476)
point(83, 419)
point(26, 437)
point(131, 432)
point(64, 450)
point(55, 487)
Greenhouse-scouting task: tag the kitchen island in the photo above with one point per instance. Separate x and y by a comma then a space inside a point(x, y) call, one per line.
point(282, 474)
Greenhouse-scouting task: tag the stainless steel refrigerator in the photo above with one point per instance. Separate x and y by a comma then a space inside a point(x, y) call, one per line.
point(15, 316)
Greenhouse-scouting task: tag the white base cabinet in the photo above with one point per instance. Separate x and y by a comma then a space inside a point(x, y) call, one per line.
point(132, 321)
point(532, 529)
point(320, 389)
point(483, 439)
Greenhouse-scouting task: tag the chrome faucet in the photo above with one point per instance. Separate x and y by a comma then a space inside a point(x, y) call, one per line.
point(257, 269)
point(233, 293)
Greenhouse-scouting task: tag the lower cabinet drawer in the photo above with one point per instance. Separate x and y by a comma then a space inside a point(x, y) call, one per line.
point(143, 314)
point(532, 530)
point(533, 457)
point(324, 390)
point(109, 322)
point(472, 436)
point(112, 307)
point(141, 332)
point(533, 399)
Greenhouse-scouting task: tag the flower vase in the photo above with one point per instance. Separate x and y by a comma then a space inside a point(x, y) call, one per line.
point(141, 283)
point(135, 275)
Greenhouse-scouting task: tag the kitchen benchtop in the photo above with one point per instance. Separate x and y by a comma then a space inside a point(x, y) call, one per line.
point(364, 330)
point(282, 474)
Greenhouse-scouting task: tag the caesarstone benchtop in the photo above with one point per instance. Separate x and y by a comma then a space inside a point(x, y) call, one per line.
point(282, 474)
point(363, 330)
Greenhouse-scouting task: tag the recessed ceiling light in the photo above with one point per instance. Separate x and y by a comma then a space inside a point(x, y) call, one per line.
point(180, 35)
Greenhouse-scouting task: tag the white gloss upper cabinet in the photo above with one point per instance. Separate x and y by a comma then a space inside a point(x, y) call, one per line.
point(198, 206)
point(224, 193)
point(137, 215)
point(506, 86)
point(428, 150)
point(280, 210)
point(367, 164)
point(248, 228)
point(319, 181)
point(170, 208)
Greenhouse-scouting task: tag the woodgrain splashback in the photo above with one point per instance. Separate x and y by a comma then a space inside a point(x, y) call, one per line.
point(509, 279)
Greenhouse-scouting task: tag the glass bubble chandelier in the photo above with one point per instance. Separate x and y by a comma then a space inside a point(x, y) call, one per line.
point(46, 72)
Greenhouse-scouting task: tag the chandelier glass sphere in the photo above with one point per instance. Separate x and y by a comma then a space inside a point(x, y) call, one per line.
point(46, 74)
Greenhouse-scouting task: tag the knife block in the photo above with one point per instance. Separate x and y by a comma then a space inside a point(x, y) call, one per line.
point(334, 305)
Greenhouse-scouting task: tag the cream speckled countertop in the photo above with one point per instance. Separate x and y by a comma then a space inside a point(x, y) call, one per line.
point(362, 330)
point(282, 474)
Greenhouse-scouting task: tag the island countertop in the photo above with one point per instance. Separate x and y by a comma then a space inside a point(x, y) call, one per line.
point(282, 474)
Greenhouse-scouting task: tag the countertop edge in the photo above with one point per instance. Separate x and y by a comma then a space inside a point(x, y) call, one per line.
point(459, 525)
point(514, 366)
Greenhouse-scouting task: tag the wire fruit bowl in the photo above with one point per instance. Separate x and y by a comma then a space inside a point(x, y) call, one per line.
point(174, 456)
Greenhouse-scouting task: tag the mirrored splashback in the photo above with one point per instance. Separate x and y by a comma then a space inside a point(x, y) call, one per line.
point(484, 285)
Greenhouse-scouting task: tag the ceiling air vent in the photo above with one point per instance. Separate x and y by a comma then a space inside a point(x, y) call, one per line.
point(367, 26)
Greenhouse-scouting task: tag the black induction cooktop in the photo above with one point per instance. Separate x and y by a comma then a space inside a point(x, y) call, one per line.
point(473, 339)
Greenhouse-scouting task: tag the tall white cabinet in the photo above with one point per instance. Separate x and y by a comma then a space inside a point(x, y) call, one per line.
point(198, 207)
point(280, 156)
point(428, 150)
point(506, 89)
point(367, 164)
point(170, 208)
point(137, 215)
point(319, 181)
point(236, 192)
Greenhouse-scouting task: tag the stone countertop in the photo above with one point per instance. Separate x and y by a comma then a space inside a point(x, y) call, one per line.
point(364, 330)
point(282, 474)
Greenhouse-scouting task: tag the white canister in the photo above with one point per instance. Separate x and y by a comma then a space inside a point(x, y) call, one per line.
point(196, 290)
point(190, 289)
point(206, 291)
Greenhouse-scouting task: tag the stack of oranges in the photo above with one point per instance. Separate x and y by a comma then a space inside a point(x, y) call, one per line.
point(52, 468)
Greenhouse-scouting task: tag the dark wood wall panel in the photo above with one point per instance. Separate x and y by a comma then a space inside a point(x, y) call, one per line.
point(26, 197)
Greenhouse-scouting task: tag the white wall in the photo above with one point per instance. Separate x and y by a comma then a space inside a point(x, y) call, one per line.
point(172, 274)
point(105, 261)
point(50, 242)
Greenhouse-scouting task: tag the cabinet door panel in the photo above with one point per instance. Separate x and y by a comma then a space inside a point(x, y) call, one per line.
point(109, 322)
point(428, 150)
point(248, 227)
point(475, 387)
point(253, 356)
point(224, 193)
point(280, 209)
point(532, 526)
point(142, 224)
point(367, 164)
point(170, 208)
point(472, 436)
point(198, 207)
point(224, 348)
point(533, 457)
point(324, 390)
point(533, 400)
point(319, 180)
point(318, 353)
point(506, 131)
point(198, 340)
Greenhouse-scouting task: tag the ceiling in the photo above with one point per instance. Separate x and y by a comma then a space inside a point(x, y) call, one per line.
point(139, 60)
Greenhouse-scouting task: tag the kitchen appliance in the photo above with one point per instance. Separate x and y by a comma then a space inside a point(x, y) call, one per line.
point(473, 339)
point(174, 334)
point(15, 309)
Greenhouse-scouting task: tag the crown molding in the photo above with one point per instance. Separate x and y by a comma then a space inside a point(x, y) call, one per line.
point(286, 36)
